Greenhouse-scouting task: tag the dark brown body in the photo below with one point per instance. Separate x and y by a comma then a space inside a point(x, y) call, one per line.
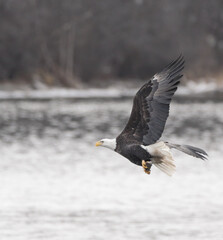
point(133, 151)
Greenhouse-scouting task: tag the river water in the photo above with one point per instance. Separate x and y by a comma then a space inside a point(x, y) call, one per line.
point(55, 184)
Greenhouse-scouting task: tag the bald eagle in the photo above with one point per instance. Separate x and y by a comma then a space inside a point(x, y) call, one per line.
point(138, 142)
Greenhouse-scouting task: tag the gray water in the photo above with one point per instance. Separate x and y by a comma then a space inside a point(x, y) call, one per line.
point(55, 184)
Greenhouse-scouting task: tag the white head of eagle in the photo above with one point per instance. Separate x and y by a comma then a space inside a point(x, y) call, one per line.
point(108, 143)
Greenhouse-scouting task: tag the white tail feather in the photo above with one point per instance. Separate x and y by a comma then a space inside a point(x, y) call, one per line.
point(162, 157)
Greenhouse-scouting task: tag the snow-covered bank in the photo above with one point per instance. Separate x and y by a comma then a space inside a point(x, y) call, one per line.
point(62, 93)
point(192, 89)
point(198, 88)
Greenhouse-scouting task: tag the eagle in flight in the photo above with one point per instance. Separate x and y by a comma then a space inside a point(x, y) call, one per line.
point(138, 142)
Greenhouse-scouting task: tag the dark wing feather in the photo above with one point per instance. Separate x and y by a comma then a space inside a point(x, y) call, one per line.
point(151, 104)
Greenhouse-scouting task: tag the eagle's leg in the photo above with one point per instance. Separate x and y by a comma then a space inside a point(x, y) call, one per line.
point(147, 166)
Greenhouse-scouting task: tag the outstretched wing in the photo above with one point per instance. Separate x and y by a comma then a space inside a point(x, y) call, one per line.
point(151, 104)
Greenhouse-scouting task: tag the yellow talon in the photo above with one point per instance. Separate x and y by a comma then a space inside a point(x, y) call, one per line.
point(144, 164)
point(146, 169)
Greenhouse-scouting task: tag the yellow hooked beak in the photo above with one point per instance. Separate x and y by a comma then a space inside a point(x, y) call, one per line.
point(99, 143)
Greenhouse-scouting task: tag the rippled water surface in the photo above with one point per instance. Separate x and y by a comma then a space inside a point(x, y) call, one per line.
point(55, 184)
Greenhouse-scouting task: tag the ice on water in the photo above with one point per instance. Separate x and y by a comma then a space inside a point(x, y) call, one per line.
point(56, 185)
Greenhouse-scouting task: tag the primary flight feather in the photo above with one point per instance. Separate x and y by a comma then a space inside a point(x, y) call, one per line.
point(138, 140)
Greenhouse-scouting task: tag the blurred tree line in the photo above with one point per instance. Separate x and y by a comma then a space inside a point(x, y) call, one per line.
point(65, 40)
